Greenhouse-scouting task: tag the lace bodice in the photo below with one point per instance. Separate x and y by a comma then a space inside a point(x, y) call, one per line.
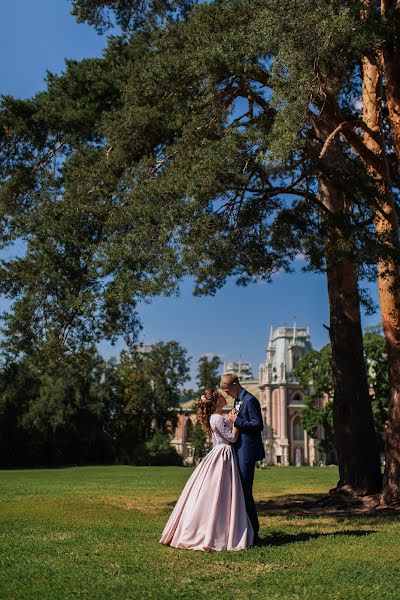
point(221, 430)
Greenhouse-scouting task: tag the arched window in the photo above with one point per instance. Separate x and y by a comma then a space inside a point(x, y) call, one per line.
point(298, 431)
point(297, 398)
point(188, 430)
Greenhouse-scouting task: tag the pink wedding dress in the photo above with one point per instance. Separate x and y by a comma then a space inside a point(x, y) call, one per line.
point(211, 513)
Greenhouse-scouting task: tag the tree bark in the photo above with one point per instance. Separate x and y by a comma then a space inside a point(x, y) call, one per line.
point(391, 69)
point(388, 277)
point(392, 80)
point(355, 436)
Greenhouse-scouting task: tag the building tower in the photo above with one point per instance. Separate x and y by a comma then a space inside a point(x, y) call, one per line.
point(286, 442)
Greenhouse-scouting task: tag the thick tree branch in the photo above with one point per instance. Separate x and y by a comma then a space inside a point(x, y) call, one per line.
point(337, 118)
point(339, 129)
point(257, 74)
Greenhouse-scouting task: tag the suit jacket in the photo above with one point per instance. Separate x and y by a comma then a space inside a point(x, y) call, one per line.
point(249, 421)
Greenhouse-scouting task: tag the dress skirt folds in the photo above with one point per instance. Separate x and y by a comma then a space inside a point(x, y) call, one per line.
point(211, 513)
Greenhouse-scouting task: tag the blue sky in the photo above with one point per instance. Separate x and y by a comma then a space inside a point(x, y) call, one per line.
point(38, 35)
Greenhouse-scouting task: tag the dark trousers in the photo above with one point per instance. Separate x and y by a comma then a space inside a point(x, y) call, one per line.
point(246, 469)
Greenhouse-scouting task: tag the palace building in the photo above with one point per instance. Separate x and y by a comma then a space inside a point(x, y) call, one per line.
point(281, 399)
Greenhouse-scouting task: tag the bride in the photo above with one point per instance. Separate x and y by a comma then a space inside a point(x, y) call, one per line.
point(211, 514)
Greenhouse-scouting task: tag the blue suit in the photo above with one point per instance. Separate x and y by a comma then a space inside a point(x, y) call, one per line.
point(249, 448)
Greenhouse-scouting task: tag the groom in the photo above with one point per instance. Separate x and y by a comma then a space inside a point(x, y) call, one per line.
point(246, 415)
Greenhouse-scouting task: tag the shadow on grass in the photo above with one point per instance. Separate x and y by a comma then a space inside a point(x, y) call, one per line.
point(317, 505)
point(279, 538)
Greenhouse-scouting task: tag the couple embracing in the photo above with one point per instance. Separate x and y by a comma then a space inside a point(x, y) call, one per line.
point(216, 509)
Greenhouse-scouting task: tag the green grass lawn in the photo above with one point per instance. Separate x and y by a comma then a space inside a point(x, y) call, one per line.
point(92, 532)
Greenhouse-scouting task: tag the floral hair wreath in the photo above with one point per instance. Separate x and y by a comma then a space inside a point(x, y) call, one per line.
point(204, 398)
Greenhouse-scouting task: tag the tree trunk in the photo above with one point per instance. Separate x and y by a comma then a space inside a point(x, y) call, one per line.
point(391, 326)
point(391, 69)
point(392, 80)
point(388, 278)
point(355, 436)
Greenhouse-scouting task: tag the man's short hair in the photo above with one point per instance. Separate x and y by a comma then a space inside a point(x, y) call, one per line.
point(229, 379)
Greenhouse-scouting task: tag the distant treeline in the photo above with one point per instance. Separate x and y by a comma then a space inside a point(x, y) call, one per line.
point(89, 410)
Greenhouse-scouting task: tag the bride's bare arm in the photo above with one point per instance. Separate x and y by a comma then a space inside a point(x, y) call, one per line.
point(235, 432)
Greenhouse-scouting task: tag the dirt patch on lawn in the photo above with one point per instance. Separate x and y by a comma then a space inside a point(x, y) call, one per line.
point(135, 503)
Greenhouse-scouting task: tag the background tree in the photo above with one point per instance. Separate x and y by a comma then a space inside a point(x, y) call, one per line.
point(19, 385)
point(378, 378)
point(86, 410)
point(131, 413)
point(167, 368)
point(160, 452)
point(53, 417)
point(208, 372)
point(64, 297)
point(315, 375)
point(146, 393)
point(198, 441)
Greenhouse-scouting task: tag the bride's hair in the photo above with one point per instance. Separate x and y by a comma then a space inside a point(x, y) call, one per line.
point(206, 407)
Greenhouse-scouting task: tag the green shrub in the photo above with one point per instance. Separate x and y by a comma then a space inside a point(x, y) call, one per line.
point(161, 452)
